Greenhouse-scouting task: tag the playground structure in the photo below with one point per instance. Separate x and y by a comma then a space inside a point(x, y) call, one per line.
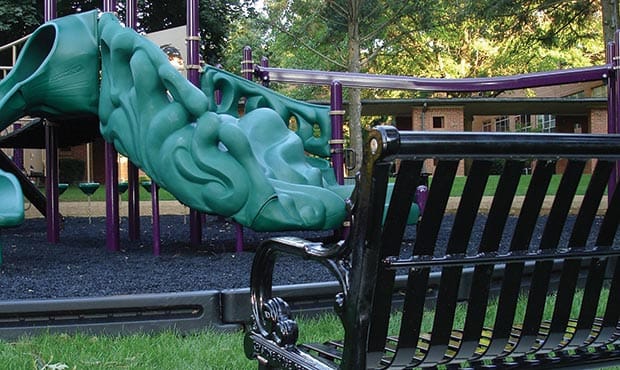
point(285, 199)
point(606, 72)
point(252, 169)
point(429, 331)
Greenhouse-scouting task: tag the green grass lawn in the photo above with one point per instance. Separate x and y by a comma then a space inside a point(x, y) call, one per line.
point(459, 184)
point(74, 194)
point(161, 351)
point(201, 350)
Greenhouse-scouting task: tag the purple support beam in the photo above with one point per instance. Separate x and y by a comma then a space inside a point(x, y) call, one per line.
point(109, 5)
point(337, 142)
point(193, 68)
point(51, 156)
point(363, 80)
point(112, 208)
point(612, 113)
point(247, 70)
point(155, 207)
point(49, 10)
point(51, 182)
point(133, 213)
point(264, 62)
point(614, 99)
point(247, 65)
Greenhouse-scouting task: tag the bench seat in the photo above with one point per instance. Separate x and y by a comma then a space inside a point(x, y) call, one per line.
point(540, 291)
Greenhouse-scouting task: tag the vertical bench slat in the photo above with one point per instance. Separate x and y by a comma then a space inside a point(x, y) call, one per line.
point(605, 238)
point(571, 267)
point(609, 226)
point(534, 198)
point(589, 303)
point(392, 235)
point(500, 206)
point(561, 204)
point(363, 273)
point(537, 295)
point(591, 201)
point(426, 237)
point(609, 325)
point(438, 194)
point(598, 267)
point(513, 273)
point(457, 243)
point(490, 242)
point(413, 308)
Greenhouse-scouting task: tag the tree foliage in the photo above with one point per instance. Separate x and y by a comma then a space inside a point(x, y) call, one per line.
point(438, 38)
point(18, 19)
point(428, 38)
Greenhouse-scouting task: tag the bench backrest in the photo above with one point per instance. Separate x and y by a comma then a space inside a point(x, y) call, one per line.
point(519, 252)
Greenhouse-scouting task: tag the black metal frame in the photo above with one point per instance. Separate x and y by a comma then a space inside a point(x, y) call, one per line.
point(365, 263)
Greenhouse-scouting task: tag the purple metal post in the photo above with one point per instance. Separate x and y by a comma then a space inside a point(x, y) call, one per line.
point(247, 70)
point(264, 62)
point(616, 68)
point(112, 198)
point(155, 207)
point(247, 65)
point(109, 5)
point(337, 142)
point(193, 69)
point(112, 209)
point(51, 156)
point(51, 183)
point(133, 213)
point(49, 10)
point(611, 112)
point(613, 102)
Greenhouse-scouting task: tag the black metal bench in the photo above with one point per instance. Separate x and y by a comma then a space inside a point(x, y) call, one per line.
point(561, 265)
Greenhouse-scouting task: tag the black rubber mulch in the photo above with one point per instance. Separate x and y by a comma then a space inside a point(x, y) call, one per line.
point(81, 266)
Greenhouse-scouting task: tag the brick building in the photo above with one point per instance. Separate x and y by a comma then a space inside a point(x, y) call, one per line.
point(575, 108)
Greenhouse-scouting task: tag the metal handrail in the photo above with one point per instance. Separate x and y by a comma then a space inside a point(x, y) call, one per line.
point(15, 43)
point(13, 46)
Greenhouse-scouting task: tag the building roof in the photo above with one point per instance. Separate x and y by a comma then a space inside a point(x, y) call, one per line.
point(485, 106)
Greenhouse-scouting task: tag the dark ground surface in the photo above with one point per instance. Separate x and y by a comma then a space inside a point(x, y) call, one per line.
point(80, 265)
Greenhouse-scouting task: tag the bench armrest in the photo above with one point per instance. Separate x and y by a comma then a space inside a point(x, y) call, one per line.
point(272, 315)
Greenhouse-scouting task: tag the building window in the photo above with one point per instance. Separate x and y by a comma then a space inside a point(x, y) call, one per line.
point(438, 122)
point(599, 91)
point(523, 123)
point(577, 95)
point(546, 122)
point(486, 126)
point(502, 124)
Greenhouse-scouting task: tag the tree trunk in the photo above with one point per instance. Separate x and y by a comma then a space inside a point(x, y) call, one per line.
point(355, 101)
point(611, 13)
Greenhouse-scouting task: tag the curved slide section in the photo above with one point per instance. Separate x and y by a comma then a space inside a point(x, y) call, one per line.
point(251, 169)
point(11, 200)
